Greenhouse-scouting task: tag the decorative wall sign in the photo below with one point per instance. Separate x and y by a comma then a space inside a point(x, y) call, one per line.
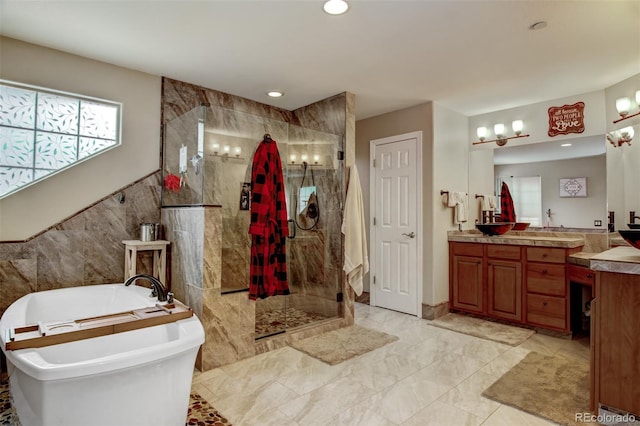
point(573, 187)
point(566, 119)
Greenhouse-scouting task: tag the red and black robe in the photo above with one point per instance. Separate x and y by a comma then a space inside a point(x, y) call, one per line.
point(268, 228)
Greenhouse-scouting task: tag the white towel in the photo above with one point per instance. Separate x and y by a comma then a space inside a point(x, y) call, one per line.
point(459, 201)
point(356, 261)
point(489, 202)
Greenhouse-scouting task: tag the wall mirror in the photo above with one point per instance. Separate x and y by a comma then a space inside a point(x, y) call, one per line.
point(303, 196)
point(43, 132)
point(552, 162)
point(623, 175)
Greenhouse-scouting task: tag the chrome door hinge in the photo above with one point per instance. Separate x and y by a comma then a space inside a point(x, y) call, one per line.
point(374, 162)
point(374, 221)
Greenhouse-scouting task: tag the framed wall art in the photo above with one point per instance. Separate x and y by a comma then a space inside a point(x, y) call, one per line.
point(573, 187)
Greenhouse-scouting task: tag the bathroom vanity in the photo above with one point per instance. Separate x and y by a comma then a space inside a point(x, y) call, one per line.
point(615, 335)
point(519, 278)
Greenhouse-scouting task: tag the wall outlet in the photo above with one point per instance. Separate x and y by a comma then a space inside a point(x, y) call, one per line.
point(597, 223)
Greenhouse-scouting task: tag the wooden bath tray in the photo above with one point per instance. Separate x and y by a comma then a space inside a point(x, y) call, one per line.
point(56, 332)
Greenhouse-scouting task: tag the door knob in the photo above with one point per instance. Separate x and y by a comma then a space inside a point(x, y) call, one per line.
point(410, 235)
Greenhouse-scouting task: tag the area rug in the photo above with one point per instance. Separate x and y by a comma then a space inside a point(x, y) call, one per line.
point(484, 329)
point(551, 387)
point(342, 344)
point(200, 412)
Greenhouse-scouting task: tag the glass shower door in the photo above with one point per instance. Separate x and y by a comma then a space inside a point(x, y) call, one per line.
point(314, 182)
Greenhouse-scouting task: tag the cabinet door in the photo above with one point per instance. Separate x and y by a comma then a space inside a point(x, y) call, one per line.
point(467, 283)
point(504, 286)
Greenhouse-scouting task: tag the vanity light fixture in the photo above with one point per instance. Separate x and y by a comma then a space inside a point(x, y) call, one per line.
point(623, 106)
point(499, 130)
point(226, 150)
point(335, 7)
point(293, 159)
point(619, 137)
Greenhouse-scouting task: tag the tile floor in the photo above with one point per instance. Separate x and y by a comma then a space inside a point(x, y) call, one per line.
point(430, 376)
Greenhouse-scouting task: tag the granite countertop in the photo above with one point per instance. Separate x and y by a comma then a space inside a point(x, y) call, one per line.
point(624, 260)
point(516, 240)
point(582, 258)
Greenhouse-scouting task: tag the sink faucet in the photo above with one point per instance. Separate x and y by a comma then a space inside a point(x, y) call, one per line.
point(158, 287)
point(633, 217)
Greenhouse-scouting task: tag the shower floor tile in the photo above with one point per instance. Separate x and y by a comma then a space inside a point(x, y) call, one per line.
point(274, 321)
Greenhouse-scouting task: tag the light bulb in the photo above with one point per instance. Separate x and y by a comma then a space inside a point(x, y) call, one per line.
point(623, 105)
point(237, 151)
point(627, 132)
point(216, 148)
point(226, 149)
point(482, 133)
point(303, 157)
point(292, 157)
point(335, 7)
point(638, 98)
point(499, 130)
point(316, 158)
point(517, 126)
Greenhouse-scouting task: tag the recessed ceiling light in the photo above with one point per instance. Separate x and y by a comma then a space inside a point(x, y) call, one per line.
point(566, 144)
point(336, 7)
point(275, 94)
point(538, 25)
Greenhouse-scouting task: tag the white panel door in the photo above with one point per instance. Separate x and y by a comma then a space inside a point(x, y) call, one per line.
point(395, 220)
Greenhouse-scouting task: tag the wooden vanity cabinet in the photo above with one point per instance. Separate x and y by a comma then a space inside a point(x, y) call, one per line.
point(465, 270)
point(547, 301)
point(521, 284)
point(504, 282)
point(615, 342)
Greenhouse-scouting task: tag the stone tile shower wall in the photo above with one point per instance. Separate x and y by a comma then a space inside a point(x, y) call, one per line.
point(84, 249)
point(229, 319)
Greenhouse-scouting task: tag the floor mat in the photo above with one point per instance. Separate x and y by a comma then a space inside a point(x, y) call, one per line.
point(551, 387)
point(342, 344)
point(477, 327)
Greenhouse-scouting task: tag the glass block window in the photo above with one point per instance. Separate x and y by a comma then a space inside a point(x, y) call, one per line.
point(44, 131)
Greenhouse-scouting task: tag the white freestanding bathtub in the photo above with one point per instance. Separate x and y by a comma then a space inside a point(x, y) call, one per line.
point(135, 378)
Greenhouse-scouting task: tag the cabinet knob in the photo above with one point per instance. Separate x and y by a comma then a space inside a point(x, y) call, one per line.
point(545, 272)
point(544, 303)
point(544, 254)
point(589, 275)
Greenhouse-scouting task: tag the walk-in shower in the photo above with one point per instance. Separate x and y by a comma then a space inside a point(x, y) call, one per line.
point(207, 158)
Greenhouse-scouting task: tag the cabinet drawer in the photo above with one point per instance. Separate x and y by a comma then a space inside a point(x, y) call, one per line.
point(581, 275)
point(498, 251)
point(546, 278)
point(546, 254)
point(546, 310)
point(467, 249)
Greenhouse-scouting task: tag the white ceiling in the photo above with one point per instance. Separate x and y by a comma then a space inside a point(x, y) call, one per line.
point(470, 56)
